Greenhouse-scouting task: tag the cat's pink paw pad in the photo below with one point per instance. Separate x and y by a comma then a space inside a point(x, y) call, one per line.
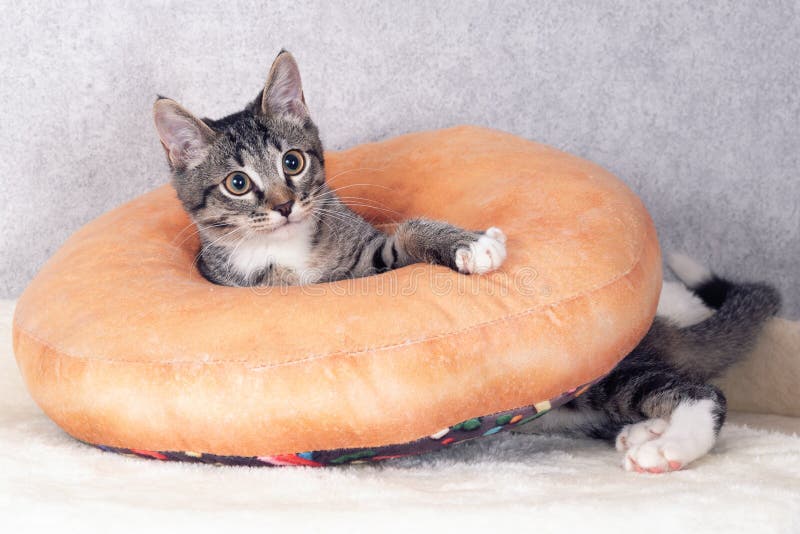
point(651, 457)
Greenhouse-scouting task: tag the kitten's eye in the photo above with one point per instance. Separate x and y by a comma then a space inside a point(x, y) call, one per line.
point(293, 162)
point(238, 183)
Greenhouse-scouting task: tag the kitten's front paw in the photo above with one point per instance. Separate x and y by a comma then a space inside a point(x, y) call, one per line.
point(485, 254)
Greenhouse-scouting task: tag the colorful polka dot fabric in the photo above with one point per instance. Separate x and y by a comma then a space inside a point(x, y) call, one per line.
point(464, 431)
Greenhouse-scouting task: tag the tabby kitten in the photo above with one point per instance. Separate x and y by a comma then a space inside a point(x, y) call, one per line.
point(254, 184)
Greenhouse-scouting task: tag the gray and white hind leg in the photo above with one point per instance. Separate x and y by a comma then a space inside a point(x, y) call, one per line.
point(675, 436)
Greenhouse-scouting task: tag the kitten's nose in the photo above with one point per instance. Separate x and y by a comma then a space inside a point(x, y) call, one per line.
point(284, 209)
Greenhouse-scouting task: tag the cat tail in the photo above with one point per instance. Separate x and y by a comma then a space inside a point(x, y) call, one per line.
point(736, 314)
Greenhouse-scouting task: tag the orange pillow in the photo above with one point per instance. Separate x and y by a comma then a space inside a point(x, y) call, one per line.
point(126, 346)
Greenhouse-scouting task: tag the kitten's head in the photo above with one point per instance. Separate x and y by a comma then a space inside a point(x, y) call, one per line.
point(257, 172)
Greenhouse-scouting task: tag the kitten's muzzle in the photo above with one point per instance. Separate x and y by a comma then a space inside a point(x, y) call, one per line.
point(284, 209)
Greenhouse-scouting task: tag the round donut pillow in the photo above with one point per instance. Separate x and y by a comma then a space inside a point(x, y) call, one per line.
point(127, 347)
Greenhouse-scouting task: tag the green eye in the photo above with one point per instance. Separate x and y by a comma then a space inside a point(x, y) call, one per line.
point(238, 183)
point(293, 163)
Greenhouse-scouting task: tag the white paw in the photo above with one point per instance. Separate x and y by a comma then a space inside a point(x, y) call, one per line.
point(660, 455)
point(496, 234)
point(638, 433)
point(687, 436)
point(484, 255)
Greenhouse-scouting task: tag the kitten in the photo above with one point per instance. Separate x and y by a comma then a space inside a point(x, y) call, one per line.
point(254, 184)
point(657, 405)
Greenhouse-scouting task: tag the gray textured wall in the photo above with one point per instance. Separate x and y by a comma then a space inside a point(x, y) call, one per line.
point(694, 104)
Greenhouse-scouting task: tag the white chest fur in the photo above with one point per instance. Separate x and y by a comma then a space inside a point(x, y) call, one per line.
point(288, 247)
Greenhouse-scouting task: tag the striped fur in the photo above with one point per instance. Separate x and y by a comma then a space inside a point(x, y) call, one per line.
point(291, 229)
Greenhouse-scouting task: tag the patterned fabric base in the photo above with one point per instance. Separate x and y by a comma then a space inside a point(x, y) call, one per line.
point(463, 431)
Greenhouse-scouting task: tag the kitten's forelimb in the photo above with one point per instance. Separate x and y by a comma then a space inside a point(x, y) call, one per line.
point(426, 241)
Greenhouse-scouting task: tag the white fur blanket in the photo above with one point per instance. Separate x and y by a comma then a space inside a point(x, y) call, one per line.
point(749, 483)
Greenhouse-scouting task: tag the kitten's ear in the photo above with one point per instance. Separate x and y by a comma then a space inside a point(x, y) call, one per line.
point(283, 93)
point(185, 138)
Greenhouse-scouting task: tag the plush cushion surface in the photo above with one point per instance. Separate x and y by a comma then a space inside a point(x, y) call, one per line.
point(123, 343)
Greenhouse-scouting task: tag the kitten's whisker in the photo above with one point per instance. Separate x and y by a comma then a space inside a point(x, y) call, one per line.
point(206, 247)
point(348, 219)
point(347, 201)
point(177, 248)
point(359, 198)
point(198, 230)
point(191, 223)
point(189, 236)
point(333, 193)
point(392, 212)
point(366, 202)
point(338, 174)
point(334, 230)
point(233, 252)
point(348, 186)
